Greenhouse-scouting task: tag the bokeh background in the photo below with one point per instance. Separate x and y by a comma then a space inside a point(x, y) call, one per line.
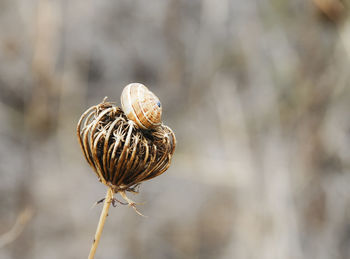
point(256, 91)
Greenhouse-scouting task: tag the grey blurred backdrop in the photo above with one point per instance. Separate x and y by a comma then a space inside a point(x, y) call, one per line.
point(256, 91)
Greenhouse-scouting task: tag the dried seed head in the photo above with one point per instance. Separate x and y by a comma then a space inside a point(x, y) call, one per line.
point(120, 153)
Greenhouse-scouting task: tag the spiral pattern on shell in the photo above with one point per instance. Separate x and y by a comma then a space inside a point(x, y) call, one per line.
point(141, 106)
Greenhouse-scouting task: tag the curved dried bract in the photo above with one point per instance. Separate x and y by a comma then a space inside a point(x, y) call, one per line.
point(121, 154)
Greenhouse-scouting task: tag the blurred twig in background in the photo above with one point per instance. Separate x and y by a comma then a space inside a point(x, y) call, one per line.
point(21, 222)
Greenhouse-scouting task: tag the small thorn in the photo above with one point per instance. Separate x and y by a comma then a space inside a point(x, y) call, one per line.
point(116, 200)
point(134, 207)
point(96, 203)
point(131, 203)
point(100, 201)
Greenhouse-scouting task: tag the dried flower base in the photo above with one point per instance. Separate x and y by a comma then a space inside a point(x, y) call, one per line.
point(121, 154)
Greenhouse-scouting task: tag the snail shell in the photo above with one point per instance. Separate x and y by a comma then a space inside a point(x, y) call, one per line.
point(141, 106)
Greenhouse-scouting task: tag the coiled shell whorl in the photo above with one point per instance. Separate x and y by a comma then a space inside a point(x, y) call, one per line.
point(141, 106)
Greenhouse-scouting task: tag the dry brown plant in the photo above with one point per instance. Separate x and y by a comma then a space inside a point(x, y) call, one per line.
point(121, 154)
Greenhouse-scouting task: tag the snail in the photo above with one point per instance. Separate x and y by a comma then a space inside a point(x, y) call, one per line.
point(141, 106)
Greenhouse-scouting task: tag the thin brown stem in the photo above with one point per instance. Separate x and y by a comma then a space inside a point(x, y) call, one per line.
point(104, 214)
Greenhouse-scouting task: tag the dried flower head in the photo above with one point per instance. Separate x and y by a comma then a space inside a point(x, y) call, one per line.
point(121, 154)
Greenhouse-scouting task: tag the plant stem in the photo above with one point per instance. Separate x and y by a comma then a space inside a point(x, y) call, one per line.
point(104, 214)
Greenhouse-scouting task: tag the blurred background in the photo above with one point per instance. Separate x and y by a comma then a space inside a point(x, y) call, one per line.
point(256, 91)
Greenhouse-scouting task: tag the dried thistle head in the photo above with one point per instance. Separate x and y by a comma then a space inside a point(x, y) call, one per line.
point(121, 154)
